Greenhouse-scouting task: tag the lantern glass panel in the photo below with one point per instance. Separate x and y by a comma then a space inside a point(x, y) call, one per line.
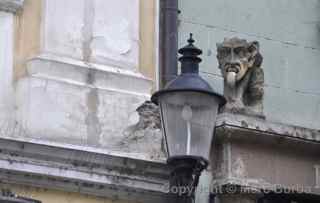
point(188, 120)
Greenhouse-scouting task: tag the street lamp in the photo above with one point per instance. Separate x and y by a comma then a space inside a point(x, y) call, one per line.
point(188, 107)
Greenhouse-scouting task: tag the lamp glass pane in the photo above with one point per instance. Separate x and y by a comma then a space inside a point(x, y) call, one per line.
point(188, 120)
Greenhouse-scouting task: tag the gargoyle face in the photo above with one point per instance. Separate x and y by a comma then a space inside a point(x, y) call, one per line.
point(236, 57)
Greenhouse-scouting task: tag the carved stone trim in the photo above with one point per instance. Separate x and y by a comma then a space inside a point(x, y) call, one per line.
point(76, 72)
point(11, 5)
point(75, 170)
point(261, 127)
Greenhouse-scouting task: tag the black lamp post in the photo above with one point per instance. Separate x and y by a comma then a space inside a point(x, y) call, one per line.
point(188, 107)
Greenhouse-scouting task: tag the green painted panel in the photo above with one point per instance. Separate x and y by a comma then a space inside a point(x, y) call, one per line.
point(289, 36)
point(290, 21)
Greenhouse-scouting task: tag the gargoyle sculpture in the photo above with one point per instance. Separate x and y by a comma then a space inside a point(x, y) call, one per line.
point(240, 64)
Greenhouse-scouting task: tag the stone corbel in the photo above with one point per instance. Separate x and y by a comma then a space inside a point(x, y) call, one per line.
point(11, 6)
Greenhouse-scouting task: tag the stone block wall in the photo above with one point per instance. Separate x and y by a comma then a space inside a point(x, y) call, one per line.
point(288, 32)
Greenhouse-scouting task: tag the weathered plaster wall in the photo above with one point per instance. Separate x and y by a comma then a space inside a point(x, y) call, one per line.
point(98, 31)
point(81, 69)
point(73, 74)
point(288, 32)
point(6, 66)
point(28, 32)
point(54, 196)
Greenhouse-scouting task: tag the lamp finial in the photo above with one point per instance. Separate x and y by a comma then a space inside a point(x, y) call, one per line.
point(191, 40)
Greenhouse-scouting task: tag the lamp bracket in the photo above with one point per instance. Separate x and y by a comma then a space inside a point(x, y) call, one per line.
point(185, 173)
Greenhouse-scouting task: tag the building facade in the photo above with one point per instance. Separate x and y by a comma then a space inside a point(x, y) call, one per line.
point(76, 80)
point(280, 152)
point(73, 74)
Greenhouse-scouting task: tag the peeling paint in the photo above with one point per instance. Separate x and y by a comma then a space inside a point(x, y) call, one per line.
point(88, 19)
point(92, 100)
point(113, 38)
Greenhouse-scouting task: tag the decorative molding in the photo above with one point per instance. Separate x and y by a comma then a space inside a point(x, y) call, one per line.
point(11, 5)
point(86, 172)
point(77, 72)
point(253, 125)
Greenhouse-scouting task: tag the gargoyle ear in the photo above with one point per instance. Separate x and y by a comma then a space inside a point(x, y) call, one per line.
point(254, 48)
point(218, 45)
point(256, 58)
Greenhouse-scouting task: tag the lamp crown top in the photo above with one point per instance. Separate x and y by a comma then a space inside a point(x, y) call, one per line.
point(191, 40)
point(190, 49)
point(190, 57)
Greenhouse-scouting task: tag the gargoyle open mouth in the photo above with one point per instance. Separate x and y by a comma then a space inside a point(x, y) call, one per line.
point(231, 74)
point(233, 68)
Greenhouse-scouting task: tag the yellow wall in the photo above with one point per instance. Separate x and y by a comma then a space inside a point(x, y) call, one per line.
point(147, 38)
point(54, 196)
point(27, 35)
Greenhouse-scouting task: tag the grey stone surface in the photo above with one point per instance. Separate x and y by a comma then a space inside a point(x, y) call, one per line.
point(81, 170)
point(266, 128)
point(234, 198)
point(263, 128)
point(11, 5)
point(262, 156)
point(145, 136)
point(289, 42)
point(149, 116)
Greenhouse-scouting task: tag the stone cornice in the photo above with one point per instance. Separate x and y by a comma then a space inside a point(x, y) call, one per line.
point(260, 127)
point(11, 5)
point(75, 170)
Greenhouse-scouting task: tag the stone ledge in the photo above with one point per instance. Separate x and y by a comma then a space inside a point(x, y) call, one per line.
point(264, 127)
point(77, 72)
point(257, 186)
point(74, 170)
point(11, 5)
